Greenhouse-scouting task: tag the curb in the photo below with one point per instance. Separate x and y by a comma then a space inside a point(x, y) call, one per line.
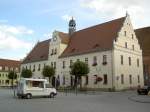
point(132, 98)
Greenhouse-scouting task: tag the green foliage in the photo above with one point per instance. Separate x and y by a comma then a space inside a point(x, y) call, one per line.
point(12, 75)
point(26, 73)
point(79, 69)
point(48, 71)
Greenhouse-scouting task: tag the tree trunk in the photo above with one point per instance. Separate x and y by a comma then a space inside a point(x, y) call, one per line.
point(49, 79)
point(75, 82)
point(80, 79)
point(12, 85)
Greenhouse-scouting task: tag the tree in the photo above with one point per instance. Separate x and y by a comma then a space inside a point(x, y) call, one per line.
point(48, 71)
point(12, 75)
point(26, 73)
point(79, 69)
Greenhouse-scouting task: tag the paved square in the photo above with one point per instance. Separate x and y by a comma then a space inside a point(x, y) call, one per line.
point(98, 102)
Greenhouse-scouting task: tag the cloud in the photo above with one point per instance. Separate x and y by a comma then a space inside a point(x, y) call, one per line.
point(9, 38)
point(66, 17)
point(138, 9)
point(15, 29)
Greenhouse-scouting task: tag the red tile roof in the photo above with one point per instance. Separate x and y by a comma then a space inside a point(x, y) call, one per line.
point(143, 35)
point(9, 63)
point(39, 52)
point(99, 37)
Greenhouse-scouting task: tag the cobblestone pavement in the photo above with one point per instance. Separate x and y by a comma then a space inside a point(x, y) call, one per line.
point(70, 102)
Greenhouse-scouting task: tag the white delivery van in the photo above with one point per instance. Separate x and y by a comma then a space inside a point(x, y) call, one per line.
point(28, 87)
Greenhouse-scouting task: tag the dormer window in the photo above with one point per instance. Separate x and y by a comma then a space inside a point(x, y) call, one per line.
point(96, 46)
point(42, 56)
point(72, 50)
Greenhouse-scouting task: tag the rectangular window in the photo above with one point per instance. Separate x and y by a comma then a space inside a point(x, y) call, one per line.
point(52, 52)
point(122, 79)
point(126, 45)
point(121, 59)
point(132, 36)
point(39, 67)
point(130, 79)
point(129, 61)
point(137, 62)
point(105, 79)
point(132, 47)
point(86, 60)
point(104, 59)
point(55, 51)
point(138, 79)
point(94, 61)
point(64, 64)
point(51, 64)
point(33, 68)
point(125, 33)
point(54, 65)
point(30, 67)
point(71, 63)
point(64, 80)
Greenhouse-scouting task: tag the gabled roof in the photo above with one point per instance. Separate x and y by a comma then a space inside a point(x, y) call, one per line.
point(39, 52)
point(64, 37)
point(143, 35)
point(99, 37)
point(9, 63)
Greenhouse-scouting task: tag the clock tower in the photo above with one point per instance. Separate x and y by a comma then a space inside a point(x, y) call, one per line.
point(72, 26)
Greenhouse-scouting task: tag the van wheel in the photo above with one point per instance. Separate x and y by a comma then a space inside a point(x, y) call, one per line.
point(28, 96)
point(52, 95)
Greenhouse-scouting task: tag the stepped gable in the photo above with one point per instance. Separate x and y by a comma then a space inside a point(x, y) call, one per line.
point(64, 37)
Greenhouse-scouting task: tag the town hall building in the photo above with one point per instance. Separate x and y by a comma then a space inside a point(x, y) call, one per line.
point(110, 49)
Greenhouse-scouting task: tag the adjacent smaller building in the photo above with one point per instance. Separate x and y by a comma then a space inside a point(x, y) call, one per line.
point(6, 66)
point(143, 35)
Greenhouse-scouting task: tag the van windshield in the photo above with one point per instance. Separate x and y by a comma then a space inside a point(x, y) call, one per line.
point(48, 86)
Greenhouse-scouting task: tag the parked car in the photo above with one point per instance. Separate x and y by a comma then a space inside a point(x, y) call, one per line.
point(143, 90)
point(29, 87)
